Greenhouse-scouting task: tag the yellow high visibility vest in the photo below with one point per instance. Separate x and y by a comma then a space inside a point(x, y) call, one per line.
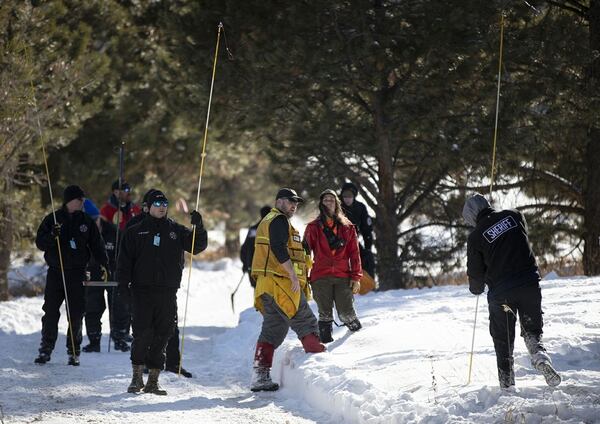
point(271, 277)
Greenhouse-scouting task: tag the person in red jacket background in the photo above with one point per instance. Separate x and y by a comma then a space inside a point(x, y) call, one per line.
point(120, 199)
point(336, 270)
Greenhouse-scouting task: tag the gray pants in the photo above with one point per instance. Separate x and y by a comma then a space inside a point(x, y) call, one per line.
point(276, 323)
point(334, 290)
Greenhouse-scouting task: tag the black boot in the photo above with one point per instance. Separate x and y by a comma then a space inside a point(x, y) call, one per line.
point(73, 360)
point(354, 325)
point(93, 346)
point(42, 358)
point(325, 329)
point(175, 369)
point(121, 345)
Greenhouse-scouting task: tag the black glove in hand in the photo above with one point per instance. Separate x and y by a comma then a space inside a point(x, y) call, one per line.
point(196, 218)
point(56, 230)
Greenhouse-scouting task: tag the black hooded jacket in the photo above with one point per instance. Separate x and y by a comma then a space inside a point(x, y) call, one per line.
point(79, 236)
point(151, 252)
point(357, 213)
point(499, 253)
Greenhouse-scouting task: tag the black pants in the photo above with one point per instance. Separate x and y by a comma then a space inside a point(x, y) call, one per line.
point(153, 323)
point(95, 306)
point(367, 260)
point(173, 353)
point(525, 301)
point(54, 295)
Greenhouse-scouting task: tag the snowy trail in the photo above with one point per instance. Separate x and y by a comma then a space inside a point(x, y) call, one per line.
point(95, 391)
point(407, 365)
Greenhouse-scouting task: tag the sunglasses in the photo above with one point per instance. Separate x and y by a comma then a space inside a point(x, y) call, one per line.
point(159, 203)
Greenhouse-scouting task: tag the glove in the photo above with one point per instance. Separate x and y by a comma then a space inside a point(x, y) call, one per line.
point(103, 273)
point(355, 286)
point(476, 287)
point(56, 230)
point(196, 218)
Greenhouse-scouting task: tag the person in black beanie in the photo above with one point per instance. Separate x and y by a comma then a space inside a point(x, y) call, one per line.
point(149, 269)
point(173, 355)
point(78, 236)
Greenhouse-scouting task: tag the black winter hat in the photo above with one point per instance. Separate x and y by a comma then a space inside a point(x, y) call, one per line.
point(350, 187)
point(124, 185)
point(72, 192)
point(145, 201)
point(156, 195)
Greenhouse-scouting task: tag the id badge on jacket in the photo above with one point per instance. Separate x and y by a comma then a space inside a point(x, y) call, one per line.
point(156, 240)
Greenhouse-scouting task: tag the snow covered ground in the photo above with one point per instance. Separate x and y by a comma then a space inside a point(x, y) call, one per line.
point(408, 364)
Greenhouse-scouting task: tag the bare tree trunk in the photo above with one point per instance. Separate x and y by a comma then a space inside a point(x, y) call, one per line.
point(389, 268)
point(6, 237)
point(591, 251)
point(232, 239)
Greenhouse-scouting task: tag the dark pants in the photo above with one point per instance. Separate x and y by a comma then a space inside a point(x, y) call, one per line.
point(367, 260)
point(173, 353)
point(153, 323)
point(95, 306)
point(525, 301)
point(276, 323)
point(333, 290)
point(54, 295)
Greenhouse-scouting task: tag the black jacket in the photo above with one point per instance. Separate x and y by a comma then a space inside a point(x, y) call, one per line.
point(358, 214)
point(247, 249)
point(145, 260)
point(79, 236)
point(499, 254)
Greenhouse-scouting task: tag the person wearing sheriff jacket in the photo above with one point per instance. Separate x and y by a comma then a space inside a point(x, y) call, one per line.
point(150, 264)
point(282, 292)
point(173, 354)
point(357, 213)
point(247, 249)
point(499, 256)
point(78, 236)
point(336, 272)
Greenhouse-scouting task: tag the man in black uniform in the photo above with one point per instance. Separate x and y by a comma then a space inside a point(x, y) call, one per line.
point(151, 263)
point(95, 304)
point(173, 353)
point(357, 213)
point(499, 256)
point(78, 235)
point(247, 249)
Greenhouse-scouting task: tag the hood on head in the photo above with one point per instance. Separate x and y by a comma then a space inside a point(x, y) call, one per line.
point(473, 207)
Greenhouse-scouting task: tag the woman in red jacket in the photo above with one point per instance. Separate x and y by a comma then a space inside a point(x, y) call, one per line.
point(336, 271)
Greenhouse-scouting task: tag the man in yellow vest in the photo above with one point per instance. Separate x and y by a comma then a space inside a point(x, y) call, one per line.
point(280, 267)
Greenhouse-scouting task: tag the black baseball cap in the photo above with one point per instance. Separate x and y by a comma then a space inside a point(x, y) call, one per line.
point(288, 193)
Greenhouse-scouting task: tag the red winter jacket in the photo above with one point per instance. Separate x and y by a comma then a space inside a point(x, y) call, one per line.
point(109, 211)
point(343, 262)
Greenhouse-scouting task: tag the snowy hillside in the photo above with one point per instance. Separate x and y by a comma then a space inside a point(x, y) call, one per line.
point(408, 364)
